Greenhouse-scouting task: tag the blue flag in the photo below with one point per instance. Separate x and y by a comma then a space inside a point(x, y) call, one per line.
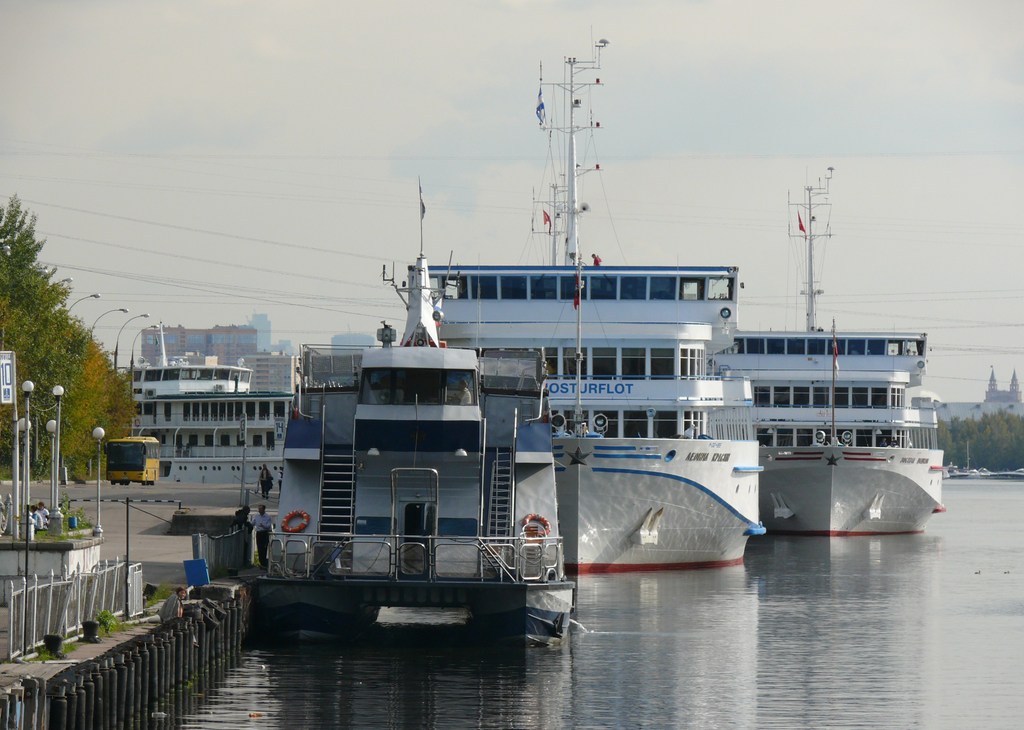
point(540, 106)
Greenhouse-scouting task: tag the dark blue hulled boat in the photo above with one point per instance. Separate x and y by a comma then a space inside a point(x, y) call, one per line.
point(417, 476)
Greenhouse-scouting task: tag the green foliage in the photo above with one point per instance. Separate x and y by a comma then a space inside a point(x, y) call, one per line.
point(108, 622)
point(161, 594)
point(995, 442)
point(53, 347)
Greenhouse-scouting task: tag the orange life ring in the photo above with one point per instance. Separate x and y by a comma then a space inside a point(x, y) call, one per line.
point(286, 522)
point(538, 519)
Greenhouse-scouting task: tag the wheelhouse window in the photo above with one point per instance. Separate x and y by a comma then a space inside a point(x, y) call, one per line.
point(775, 346)
point(568, 288)
point(860, 397)
point(485, 287)
point(513, 287)
point(543, 287)
point(820, 395)
point(720, 287)
point(602, 286)
point(663, 287)
point(856, 347)
point(634, 424)
point(403, 386)
point(818, 346)
point(801, 396)
point(762, 395)
point(796, 346)
point(876, 347)
point(691, 289)
point(632, 287)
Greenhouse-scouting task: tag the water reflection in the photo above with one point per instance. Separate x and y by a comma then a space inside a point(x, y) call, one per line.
point(844, 626)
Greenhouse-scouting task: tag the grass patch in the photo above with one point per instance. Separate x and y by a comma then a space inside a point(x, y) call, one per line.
point(161, 594)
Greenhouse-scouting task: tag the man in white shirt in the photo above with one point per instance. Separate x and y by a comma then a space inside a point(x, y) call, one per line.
point(262, 525)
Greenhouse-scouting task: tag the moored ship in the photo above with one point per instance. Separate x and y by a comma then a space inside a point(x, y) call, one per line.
point(657, 460)
point(419, 477)
point(211, 426)
point(846, 448)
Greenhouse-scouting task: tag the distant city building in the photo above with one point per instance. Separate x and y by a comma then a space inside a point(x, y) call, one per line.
point(273, 372)
point(994, 395)
point(996, 401)
point(227, 343)
point(284, 346)
point(262, 324)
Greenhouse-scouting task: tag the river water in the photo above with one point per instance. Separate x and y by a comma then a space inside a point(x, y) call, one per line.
point(916, 631)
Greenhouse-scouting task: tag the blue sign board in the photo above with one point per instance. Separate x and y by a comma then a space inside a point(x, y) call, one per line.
point(6, 377)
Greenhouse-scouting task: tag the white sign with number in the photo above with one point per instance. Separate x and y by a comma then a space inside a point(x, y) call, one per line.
point(6, 377)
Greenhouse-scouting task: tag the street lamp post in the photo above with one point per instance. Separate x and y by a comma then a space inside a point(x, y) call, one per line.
point(118, 340)
point(56, 526)
point(98, 433)
point(27, 387)
point(136, 339)
point(90, 296)
point(109, 311)
point(56, 517)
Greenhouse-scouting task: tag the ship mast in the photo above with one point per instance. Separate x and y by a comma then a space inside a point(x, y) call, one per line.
point(806, 226)
point(574, 209)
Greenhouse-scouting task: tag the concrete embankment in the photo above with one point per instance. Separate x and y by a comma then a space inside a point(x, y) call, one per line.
point(143, 677)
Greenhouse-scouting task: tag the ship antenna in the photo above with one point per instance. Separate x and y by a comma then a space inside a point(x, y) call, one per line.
point(423, 214)
point(807, 232)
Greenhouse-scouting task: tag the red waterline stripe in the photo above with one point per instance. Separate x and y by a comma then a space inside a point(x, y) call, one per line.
point(840, 533)
point(939, 509)
point(798, 458)
point(598, 568)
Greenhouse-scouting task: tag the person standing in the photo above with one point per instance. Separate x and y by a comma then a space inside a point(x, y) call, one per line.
point(266, 481)
point(262, 525)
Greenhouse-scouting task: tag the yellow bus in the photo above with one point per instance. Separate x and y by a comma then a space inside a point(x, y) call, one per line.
point(133, 459)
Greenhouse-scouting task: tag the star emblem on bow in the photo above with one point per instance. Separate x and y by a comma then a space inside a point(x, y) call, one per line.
point(832, 460)
point(578, 457)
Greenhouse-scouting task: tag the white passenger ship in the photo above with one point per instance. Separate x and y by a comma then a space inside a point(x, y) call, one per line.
point(845, 448)
point(211, 426)
point(657, 460)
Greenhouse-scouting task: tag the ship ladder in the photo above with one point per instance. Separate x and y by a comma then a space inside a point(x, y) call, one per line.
point(499, 512)
point(337, 492)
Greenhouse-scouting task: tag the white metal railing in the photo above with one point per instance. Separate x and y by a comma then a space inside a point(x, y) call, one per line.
point(402, 557)
point(59, 605)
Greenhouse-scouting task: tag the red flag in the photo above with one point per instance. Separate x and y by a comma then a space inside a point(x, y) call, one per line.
point(801, 222)
point(576, 295)
point(547, 219)
point(835, 354)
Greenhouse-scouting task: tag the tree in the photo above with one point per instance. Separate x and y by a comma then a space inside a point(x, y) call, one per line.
point(52, 348)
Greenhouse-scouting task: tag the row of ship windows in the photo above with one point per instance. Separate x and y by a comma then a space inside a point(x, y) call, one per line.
point(218, 467)
point(623, 287)
point(798, 437)
point(824, 346)
point(627, 362)
point(629, 424)
point(182, 445)
point(151, 375)
point(219, 410)
point(817, 396)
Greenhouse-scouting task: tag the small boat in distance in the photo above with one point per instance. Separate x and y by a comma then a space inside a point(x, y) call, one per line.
point(417, 476)
point(846, 449)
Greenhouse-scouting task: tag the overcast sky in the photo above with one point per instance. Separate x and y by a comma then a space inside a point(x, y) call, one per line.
point(202, 161)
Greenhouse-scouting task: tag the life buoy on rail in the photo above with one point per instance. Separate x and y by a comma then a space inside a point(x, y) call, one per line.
point(535, 519)
point(286, 523)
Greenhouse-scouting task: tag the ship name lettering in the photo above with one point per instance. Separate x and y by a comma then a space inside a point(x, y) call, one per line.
point(720, 457)
point(697, 456)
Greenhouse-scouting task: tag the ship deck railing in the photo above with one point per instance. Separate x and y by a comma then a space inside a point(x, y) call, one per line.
point(434, 559)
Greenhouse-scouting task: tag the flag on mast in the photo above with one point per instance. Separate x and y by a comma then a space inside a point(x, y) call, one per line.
point(576, 294)
point(540, 106)
point(547, 220)
point(835, 351)
point(423, 208)
point(800, 221)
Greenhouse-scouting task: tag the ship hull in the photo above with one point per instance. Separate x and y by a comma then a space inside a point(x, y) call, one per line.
point(655, 504)
point(343, 610)
point(841, 490)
